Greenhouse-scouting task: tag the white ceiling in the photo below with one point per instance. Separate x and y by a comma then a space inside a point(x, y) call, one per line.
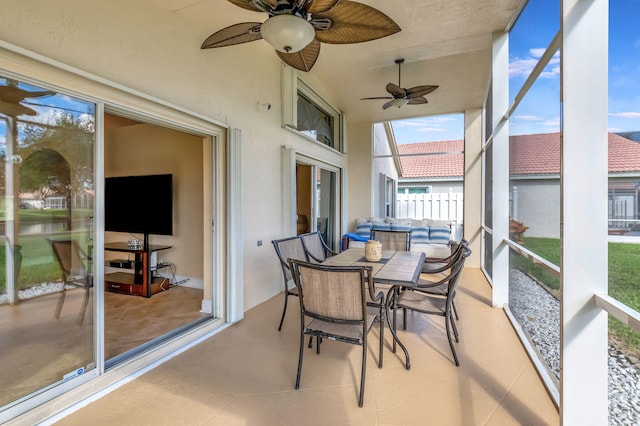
point(443, 42)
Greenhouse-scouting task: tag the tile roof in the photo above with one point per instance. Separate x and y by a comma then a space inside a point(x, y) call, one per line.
point(537, 154)
point(417, 166)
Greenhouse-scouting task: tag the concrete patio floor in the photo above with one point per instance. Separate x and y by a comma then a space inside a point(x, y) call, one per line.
point(245, 375)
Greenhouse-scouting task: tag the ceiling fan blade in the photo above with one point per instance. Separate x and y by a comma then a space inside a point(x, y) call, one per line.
point(249, 5)
point(304, 59)
point(418, 101)
point(353, 22)
point(14, 110)
point(396, 90)
point(317, 6)
point(14, 95)
point(418, 91)
point(234, 34)
point(376, 97)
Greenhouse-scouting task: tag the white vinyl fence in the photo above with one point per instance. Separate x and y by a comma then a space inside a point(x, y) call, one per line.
point(444, 206)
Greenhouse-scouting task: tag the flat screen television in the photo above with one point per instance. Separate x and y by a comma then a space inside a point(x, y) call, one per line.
point(139, 204)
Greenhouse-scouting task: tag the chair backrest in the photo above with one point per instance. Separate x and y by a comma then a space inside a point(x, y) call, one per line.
point(70, 257)
point(332, 293)
point(315, 247)
point(456, 271)
point(392, 240)
point(289, 248)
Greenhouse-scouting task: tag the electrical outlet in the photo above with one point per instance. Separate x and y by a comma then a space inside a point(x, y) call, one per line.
point(259, 243)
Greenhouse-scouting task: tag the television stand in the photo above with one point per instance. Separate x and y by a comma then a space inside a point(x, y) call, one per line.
point(141, 282)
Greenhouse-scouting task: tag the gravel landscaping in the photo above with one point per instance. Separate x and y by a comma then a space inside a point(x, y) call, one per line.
point(538, 312)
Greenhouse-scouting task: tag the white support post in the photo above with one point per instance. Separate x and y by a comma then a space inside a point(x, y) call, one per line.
point(472, 184)
point(500, 274)
point(583, 338)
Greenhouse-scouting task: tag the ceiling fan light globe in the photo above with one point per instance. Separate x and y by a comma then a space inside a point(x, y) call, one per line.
point(287, 33)
point(400, 102)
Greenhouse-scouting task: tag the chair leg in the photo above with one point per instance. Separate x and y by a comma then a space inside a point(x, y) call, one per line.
point(318, 341)
point(310, 342)
point(363, 373)
point(395, 328)
point(284, 310)
point(300, 360)
point(455, 311)
point(85, 304)
point(448, 320)
point(455, 329)
point(63, 294)
point(381, 317)
point(404, 319)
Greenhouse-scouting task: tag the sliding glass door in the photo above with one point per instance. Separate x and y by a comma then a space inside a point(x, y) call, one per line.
point(316, 201)
point(47, 144)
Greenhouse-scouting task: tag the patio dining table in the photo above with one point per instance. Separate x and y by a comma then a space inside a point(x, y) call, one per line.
point(396, 268)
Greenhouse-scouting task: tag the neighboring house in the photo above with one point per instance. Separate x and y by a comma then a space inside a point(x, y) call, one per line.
point(535, 177)
point(431, 167)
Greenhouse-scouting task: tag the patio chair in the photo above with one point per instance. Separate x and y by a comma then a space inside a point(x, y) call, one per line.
point(73, 265)
point(419, 299)
point(315, 248)
point(392, 240)
point(437, 266)
point(432, 265)
point(288, 248)
point(333, 306)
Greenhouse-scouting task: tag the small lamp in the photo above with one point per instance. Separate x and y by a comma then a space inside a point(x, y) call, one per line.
point(287, 33)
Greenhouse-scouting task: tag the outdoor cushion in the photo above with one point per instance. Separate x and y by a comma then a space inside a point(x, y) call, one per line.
point(364, 229)
point(400, 227)
point(439, 235)
point(420, 234)
point(382, 226)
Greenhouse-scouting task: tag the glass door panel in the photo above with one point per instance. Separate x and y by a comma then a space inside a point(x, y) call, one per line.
point(47, 142)
point(325, 205)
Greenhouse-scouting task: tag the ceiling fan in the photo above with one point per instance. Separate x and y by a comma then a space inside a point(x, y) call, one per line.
point(11, 98)
point(295, 28)
point(400, 97)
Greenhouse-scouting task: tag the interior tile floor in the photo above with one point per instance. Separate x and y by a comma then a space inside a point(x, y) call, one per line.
point(29, 329)
point(245, 375)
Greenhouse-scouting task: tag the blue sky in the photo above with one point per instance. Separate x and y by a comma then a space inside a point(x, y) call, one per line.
point(539, 111)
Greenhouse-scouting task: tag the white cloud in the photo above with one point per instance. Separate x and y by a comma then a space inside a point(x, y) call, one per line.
point(632, 115)
point(537, 52)
point(522, 67)
point(528, 117)
point(420, 122)
point(430, 129)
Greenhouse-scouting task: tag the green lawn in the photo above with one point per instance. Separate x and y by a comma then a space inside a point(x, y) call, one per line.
point(38, 264)
point(624, 280)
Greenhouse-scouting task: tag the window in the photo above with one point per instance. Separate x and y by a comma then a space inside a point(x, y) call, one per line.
point(314, 122)
point(308, 113)
point(426, 190)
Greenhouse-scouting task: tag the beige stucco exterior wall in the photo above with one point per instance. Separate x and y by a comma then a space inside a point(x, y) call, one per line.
point(542, 218)
point(360, 183)
point(113, 40)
